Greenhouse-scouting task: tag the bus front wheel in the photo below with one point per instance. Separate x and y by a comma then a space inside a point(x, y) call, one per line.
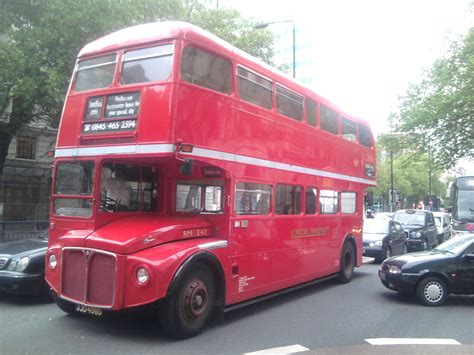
point(347, 263)
point(187, 311)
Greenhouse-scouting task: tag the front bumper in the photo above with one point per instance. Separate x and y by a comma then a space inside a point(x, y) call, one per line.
point(415, 244)
point(20, 283)
point(403, 282)
point(373, 252)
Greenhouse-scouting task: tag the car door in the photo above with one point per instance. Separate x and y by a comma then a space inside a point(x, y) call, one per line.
point(401, 236)
point(394, 239)
point(465, 274)
point(431, 231)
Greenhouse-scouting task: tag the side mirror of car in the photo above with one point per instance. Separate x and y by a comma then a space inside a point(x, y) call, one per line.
point(469, 258)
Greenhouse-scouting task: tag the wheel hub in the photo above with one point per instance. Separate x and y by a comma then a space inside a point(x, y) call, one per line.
point(433, 291)
point(195, 299)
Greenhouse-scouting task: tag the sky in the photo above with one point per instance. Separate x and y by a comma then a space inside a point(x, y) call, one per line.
point(367, 51)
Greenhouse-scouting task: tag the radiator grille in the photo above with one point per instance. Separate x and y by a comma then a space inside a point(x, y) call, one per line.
point(3, 261)
point(88, 276)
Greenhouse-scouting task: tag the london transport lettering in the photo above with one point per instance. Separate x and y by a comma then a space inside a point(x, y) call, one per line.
point(308, 232)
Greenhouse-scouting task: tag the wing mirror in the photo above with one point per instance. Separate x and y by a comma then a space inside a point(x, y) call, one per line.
point(469, 258)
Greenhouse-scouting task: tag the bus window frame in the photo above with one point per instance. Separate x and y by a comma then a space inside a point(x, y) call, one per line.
point(117, 62)
point(203, 184)
point(237, 76)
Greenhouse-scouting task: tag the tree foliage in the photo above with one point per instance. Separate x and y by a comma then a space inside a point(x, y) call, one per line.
point(41, 38)
point(410, 172)
point(440, 108)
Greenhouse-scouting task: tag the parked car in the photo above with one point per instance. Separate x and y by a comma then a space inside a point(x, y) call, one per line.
point(443, 226)
point(383, 238)
point(435, 274)
point(420, 227)
point(22, 266)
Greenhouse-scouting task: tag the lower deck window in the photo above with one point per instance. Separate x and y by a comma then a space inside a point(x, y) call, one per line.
point(348, 202)
point(288, 199)
point(328, 201)
point(251, 198)
point(193, 197)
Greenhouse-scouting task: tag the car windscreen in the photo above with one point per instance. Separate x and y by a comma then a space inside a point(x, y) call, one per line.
point(456, 244)
point(417, 219)
point(373, 226)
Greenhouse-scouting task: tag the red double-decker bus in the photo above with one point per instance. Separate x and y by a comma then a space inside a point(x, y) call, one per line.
point(192, 176)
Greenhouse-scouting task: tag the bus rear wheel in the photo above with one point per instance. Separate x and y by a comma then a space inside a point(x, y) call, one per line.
point(187, 311)
point(347, 263)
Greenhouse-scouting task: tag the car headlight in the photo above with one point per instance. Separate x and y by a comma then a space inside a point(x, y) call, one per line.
point(418, 234)
point(142, 275)
point(394, 269)
point(12, 265)
point(415, 234)
point(378, 243)
point(22, 264)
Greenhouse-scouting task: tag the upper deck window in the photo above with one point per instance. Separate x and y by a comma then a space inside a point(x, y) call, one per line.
point(254, 88)
point(289, 103)
point(349, 130)
point(311, 112)
point(147, 64)
point(328, 119)
point(207, 70)
point(365, 137)
point(95, 73)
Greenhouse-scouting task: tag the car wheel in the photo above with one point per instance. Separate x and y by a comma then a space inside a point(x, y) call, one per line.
point(186, 312)
point(405, 249)
point(424, 245)
point(347, 263)
point(432, 291)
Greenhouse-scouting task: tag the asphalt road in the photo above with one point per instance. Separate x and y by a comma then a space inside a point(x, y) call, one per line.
point(320, 316)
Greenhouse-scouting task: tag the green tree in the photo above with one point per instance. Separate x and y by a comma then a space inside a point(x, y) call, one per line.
point(440, 108)
point(410, 171)
point(41, 38)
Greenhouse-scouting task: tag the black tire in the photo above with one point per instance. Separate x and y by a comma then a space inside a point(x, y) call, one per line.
point(187, 311)
point(65, 306)
point(347, 263)
point(424, 245)
point(432, 291)
point(45, 294)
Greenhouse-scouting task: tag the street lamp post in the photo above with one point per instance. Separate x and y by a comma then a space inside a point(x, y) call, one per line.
point(266, 24)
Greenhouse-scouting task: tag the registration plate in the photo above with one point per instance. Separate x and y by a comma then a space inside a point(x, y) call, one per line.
point(93, 311)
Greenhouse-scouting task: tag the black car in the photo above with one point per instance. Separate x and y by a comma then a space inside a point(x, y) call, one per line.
point(22, 266)
point(420, 227)
point(383, 238)
point(434, 274)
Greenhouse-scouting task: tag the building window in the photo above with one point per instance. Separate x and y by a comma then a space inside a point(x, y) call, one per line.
point(25, 147)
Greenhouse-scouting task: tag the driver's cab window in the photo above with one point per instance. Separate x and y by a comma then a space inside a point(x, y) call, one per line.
point(127, 188)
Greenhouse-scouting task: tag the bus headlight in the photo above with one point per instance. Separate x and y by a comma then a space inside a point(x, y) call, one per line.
point(142, 275)
point(53, 261)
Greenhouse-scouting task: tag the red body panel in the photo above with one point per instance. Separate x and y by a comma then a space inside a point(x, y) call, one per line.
point(247, 143)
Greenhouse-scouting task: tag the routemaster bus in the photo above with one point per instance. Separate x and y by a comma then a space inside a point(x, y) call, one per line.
point(191, 176)
point(462, 204)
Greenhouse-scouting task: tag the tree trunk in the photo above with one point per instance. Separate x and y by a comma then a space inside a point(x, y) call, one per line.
point(5, 140)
